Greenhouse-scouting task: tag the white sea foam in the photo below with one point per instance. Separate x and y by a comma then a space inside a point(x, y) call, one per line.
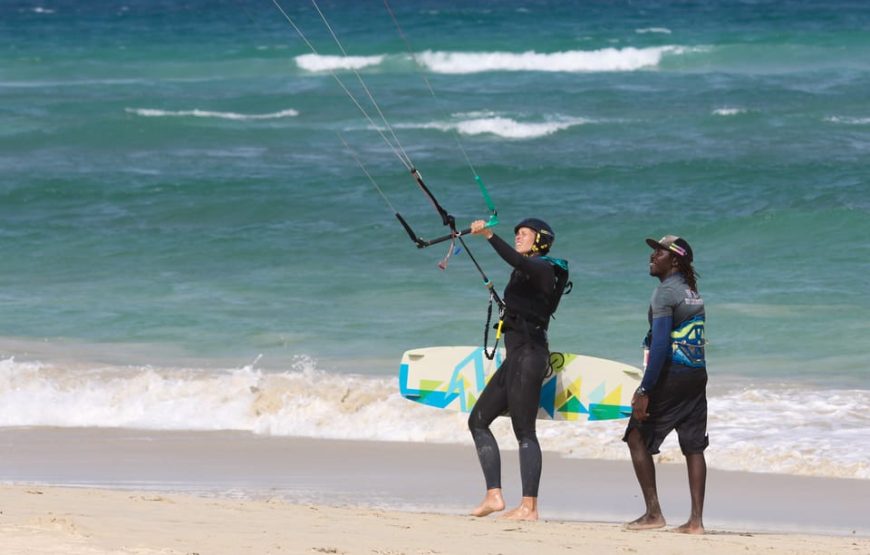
point(773, 429)
point(728, 111)
point(197, 113)
point(848, 120)
point(300, 402)
point(793, 430)
point(318, 62)
point(657, 30)
point(606, 59)
point(480, 124)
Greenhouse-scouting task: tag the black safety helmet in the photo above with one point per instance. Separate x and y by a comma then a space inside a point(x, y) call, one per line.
point(544, 233)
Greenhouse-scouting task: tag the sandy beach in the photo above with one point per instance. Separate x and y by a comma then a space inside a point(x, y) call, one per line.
point(91, 521)
point(89, 491)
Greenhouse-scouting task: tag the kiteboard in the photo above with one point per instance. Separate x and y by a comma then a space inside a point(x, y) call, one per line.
point(578, 388)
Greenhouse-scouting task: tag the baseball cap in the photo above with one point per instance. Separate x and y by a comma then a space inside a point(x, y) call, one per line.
point(676, 245)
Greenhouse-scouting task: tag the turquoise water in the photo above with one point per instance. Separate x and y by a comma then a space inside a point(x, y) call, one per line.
point(173, 177)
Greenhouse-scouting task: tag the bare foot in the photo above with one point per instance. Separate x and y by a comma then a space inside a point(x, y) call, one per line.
point(491, 503)
point(646, 522)
point(521, 513)
point(527, 510)
point(690, 528)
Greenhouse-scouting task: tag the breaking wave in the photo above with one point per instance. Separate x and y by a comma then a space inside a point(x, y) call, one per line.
point(606, 59)
point(446, 62)
point(318, 62)
point(759, 429)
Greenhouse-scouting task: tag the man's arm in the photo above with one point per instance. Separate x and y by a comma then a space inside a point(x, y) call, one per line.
point(659, 349)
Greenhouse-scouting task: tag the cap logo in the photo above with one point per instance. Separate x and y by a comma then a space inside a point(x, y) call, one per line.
point(677, 249)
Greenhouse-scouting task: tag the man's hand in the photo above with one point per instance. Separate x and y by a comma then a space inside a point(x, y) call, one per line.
point(639, 405)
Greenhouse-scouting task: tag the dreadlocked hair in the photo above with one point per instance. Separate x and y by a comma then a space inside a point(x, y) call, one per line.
point(685, 268)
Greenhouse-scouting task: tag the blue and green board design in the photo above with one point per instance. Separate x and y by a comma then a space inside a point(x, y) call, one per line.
point(579, 388)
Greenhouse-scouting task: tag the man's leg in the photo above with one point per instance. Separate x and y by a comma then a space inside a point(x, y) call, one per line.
point(645, 470)
point(697, 466)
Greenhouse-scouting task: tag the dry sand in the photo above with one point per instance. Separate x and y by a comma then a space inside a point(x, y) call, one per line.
point(90, 521)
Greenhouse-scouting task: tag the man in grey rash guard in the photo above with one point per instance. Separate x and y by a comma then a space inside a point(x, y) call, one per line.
point(672, 394)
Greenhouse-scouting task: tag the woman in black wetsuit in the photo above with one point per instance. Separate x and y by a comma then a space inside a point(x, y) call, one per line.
point(516, 385)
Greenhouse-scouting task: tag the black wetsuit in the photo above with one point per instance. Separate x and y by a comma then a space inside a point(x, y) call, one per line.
point(516, 385)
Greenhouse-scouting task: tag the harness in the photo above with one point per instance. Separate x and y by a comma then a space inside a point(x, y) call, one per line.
point(561, 286)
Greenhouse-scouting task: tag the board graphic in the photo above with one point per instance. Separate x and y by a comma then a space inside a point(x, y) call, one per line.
point(579, 388)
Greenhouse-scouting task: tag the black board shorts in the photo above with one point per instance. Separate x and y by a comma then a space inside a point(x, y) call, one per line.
point(678, 403)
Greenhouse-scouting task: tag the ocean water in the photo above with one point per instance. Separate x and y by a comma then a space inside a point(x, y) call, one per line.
point(187, 242)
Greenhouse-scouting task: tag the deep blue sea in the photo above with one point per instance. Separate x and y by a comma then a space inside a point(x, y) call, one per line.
point(187, 241)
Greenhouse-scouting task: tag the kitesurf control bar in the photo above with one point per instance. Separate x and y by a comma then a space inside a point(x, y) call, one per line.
point(423, 243)
point(446, 218)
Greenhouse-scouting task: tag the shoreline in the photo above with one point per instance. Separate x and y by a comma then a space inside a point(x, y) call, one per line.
point(412, 477)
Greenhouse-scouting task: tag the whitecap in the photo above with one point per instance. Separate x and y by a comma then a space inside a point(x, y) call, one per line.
point(490, 124)
point(728, 111)
point(848, 120)
point(318, 62)
point(606, 59)
point(656, 30)
point(197, 113)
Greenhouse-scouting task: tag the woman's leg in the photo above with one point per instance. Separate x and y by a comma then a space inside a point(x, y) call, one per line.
point(492, 402)
point(524, 395)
